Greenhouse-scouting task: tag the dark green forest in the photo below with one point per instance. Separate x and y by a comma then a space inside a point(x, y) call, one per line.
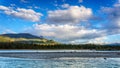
point(17, 45)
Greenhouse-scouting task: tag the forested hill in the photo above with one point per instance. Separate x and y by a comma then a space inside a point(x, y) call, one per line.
point(25, 38)
point(22, 35)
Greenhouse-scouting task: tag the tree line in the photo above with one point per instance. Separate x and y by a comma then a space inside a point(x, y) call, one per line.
point(17, 45)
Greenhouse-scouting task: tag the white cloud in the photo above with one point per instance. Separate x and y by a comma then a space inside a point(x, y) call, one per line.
point(36, 7)
point(4, 8)
point(65, 32)
point(12, 5)
point(98, 40)
point(65, 6)
point(24, 1)
point(7, 31)
point(73, 14)
point(80, 1)
point(118, 1)
point(113, 16)
point(117, 5)
point(27, 14)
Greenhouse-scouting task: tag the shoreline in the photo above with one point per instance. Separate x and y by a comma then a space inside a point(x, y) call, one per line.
point(48, 54)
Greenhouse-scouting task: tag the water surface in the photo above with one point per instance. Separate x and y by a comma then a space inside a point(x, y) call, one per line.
point(63, 62)
point(60, 63)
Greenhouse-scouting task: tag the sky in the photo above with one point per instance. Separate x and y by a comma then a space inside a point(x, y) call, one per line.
point(66, 21)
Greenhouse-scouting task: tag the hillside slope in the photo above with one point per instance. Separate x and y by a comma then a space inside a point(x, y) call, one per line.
point(22, 35)
point(25, 38)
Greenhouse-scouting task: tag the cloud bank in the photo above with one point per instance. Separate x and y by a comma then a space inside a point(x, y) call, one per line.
point(66, 32)
point(72, 14)
point(113, 18)
point(27, 14)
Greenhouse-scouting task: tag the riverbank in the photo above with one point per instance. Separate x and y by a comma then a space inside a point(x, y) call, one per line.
point(48, 54)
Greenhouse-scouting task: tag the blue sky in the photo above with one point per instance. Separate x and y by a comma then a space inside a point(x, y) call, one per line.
point(68, 21)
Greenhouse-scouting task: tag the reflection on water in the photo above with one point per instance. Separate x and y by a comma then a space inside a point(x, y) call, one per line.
point(60, 63)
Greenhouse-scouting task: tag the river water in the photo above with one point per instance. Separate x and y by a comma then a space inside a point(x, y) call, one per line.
point(64, 62)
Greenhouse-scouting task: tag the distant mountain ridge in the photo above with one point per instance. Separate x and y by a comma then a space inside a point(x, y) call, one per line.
point(22, 35)
point(114, 44)
point(26, 38)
